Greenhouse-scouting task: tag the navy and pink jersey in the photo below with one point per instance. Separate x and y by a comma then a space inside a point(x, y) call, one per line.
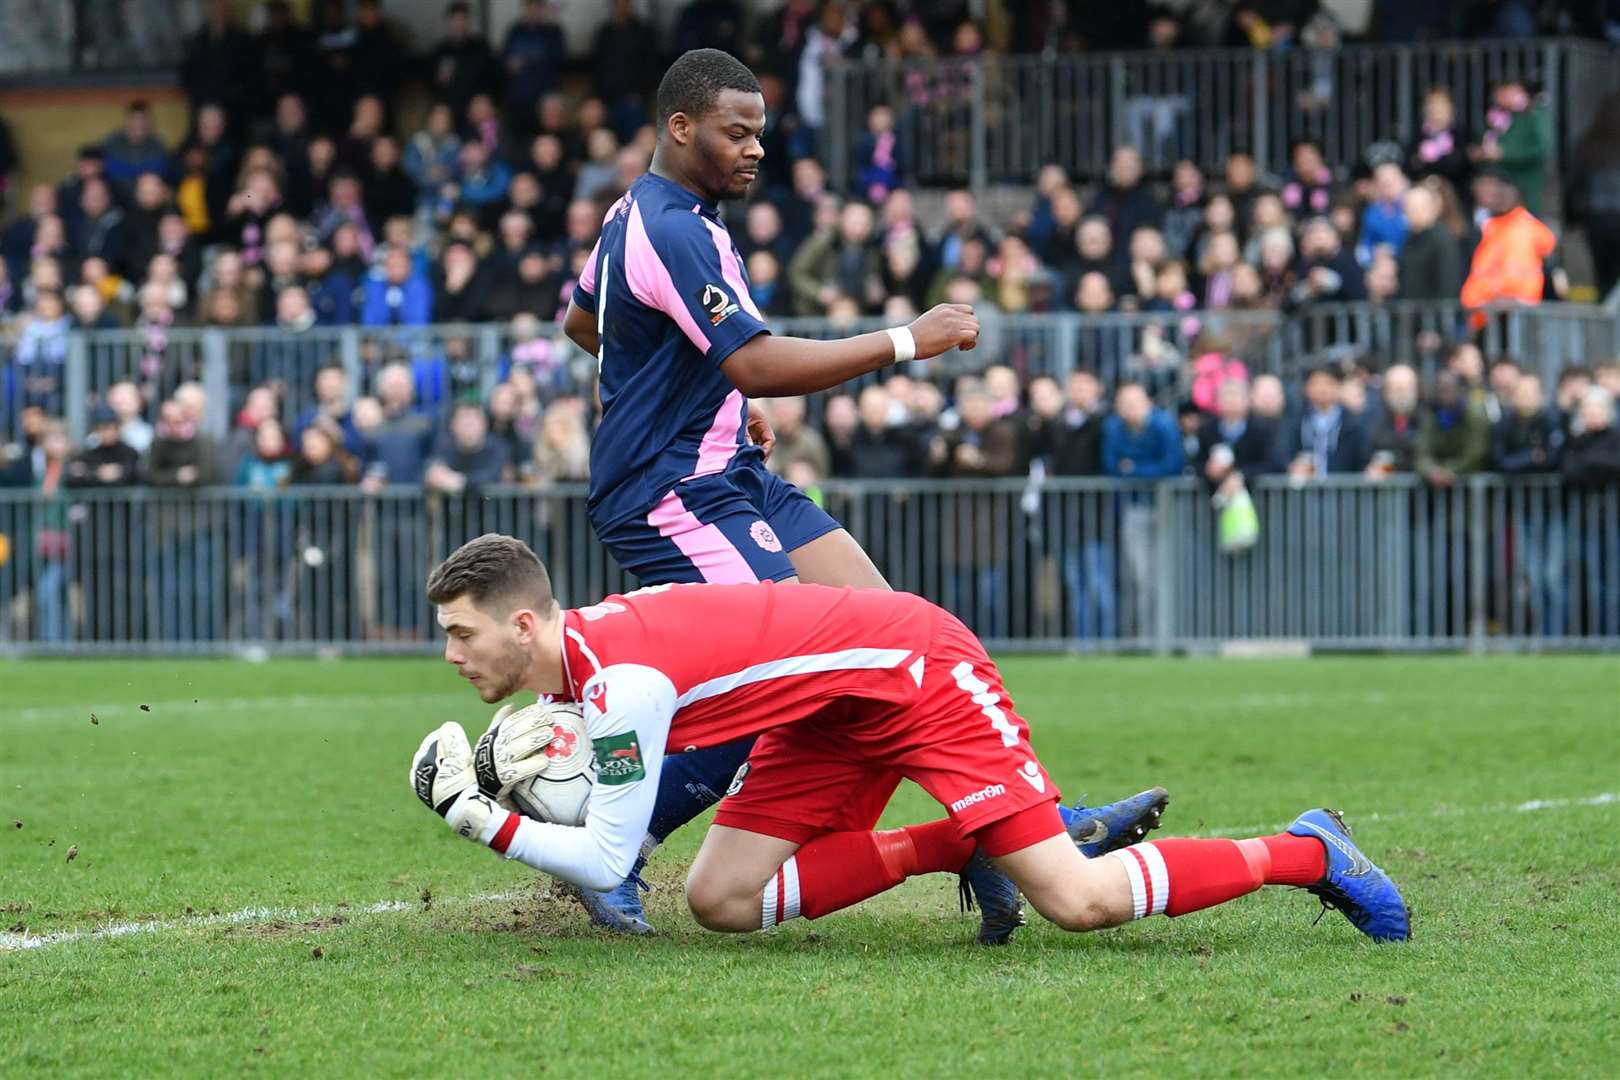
point(671, 300)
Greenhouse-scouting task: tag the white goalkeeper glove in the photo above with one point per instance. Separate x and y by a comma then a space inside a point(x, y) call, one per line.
point(442, 768)
point(512, 750)
point(443, 777)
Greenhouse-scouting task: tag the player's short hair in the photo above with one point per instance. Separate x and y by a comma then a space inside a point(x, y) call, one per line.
point(696, 79)
point(493, 571)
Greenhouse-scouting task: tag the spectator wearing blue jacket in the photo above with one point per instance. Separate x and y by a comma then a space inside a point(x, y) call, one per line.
point(1383, 223)
point(484, 181)
point(1139, 442)
point(400, 296)
point(134, 150)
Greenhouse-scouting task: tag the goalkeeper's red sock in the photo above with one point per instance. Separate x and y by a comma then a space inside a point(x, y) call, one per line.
point(1175, 877)
point(834, 871)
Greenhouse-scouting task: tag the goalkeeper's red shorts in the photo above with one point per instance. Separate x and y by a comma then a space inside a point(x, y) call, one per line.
point(960, 740)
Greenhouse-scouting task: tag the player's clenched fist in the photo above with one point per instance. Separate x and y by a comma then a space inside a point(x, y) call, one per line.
point(945, 327)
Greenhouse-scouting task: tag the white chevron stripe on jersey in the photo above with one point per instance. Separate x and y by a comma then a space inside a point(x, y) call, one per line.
point(809, 664)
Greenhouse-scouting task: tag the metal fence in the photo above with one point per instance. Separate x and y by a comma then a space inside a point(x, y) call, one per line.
point(1083, 565)
point(70, 375)
point(59, 37)
point(998, 119)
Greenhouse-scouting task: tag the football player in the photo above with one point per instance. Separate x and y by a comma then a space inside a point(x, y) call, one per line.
point(679, 491)
point(847, 691)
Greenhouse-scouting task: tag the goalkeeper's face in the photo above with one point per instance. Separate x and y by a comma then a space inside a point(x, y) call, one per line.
point(492, 653)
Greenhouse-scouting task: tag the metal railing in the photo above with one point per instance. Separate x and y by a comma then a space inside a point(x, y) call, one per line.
point(447, 362)
point(1076, 564)
point(998, 119)
point(453, 361)
point(61, 37)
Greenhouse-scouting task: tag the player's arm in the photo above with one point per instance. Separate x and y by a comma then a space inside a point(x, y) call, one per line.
point(580, 326)
point(771, 366)
point(697, 284)
point(627, 715)
point(580, 323)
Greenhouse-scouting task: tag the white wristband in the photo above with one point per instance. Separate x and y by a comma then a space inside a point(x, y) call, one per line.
point(905, 346)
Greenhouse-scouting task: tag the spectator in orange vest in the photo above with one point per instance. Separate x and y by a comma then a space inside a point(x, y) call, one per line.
point(1511, 261)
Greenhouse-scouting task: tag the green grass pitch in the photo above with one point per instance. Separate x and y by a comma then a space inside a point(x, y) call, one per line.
point(281, 905)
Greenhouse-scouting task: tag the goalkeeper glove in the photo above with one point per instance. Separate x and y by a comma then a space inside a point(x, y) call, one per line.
point(513, 749)
point(443, 777)
point(442, 768)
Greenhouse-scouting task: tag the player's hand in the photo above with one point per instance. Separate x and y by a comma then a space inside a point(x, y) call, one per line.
point(512, 750)
point(944, 327)
point(442, 769)
point(474, 816)
point(759, 429)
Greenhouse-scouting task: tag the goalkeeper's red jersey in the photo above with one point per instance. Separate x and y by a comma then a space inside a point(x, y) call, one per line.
point(747, 658)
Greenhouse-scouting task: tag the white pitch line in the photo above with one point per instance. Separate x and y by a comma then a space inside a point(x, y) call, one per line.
point(10, 942)
point(1506, 808)
point(290, 702)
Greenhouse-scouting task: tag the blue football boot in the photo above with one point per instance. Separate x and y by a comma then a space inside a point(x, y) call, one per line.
point(1001, 909)
point(619, 909)
point(1366, 895)
point(1097, 830)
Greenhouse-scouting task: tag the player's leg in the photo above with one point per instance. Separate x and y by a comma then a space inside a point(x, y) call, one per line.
point(801, 786)
point(821, 550)
point(796, 789)
point(967, 746)
point(726, 886)
point(1179, 876)
point(836, 559)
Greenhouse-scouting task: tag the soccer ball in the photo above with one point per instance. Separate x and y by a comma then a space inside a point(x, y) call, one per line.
point(560, 792)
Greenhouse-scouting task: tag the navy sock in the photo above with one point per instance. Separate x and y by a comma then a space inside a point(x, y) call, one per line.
point(693, 782)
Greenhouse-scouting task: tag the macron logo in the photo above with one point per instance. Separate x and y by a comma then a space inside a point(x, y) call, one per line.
point(979, 796)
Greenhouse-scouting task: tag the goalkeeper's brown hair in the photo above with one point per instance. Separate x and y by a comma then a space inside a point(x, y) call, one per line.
point(494, 571)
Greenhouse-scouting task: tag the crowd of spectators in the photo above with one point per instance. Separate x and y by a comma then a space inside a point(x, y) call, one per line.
point(1476, 417)
point(300, 198)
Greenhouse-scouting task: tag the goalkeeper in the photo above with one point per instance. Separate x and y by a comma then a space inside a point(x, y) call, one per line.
point(848, 691)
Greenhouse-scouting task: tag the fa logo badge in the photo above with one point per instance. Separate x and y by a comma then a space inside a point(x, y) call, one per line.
point(737, 781)
point(764, 536)
point(717, 303)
